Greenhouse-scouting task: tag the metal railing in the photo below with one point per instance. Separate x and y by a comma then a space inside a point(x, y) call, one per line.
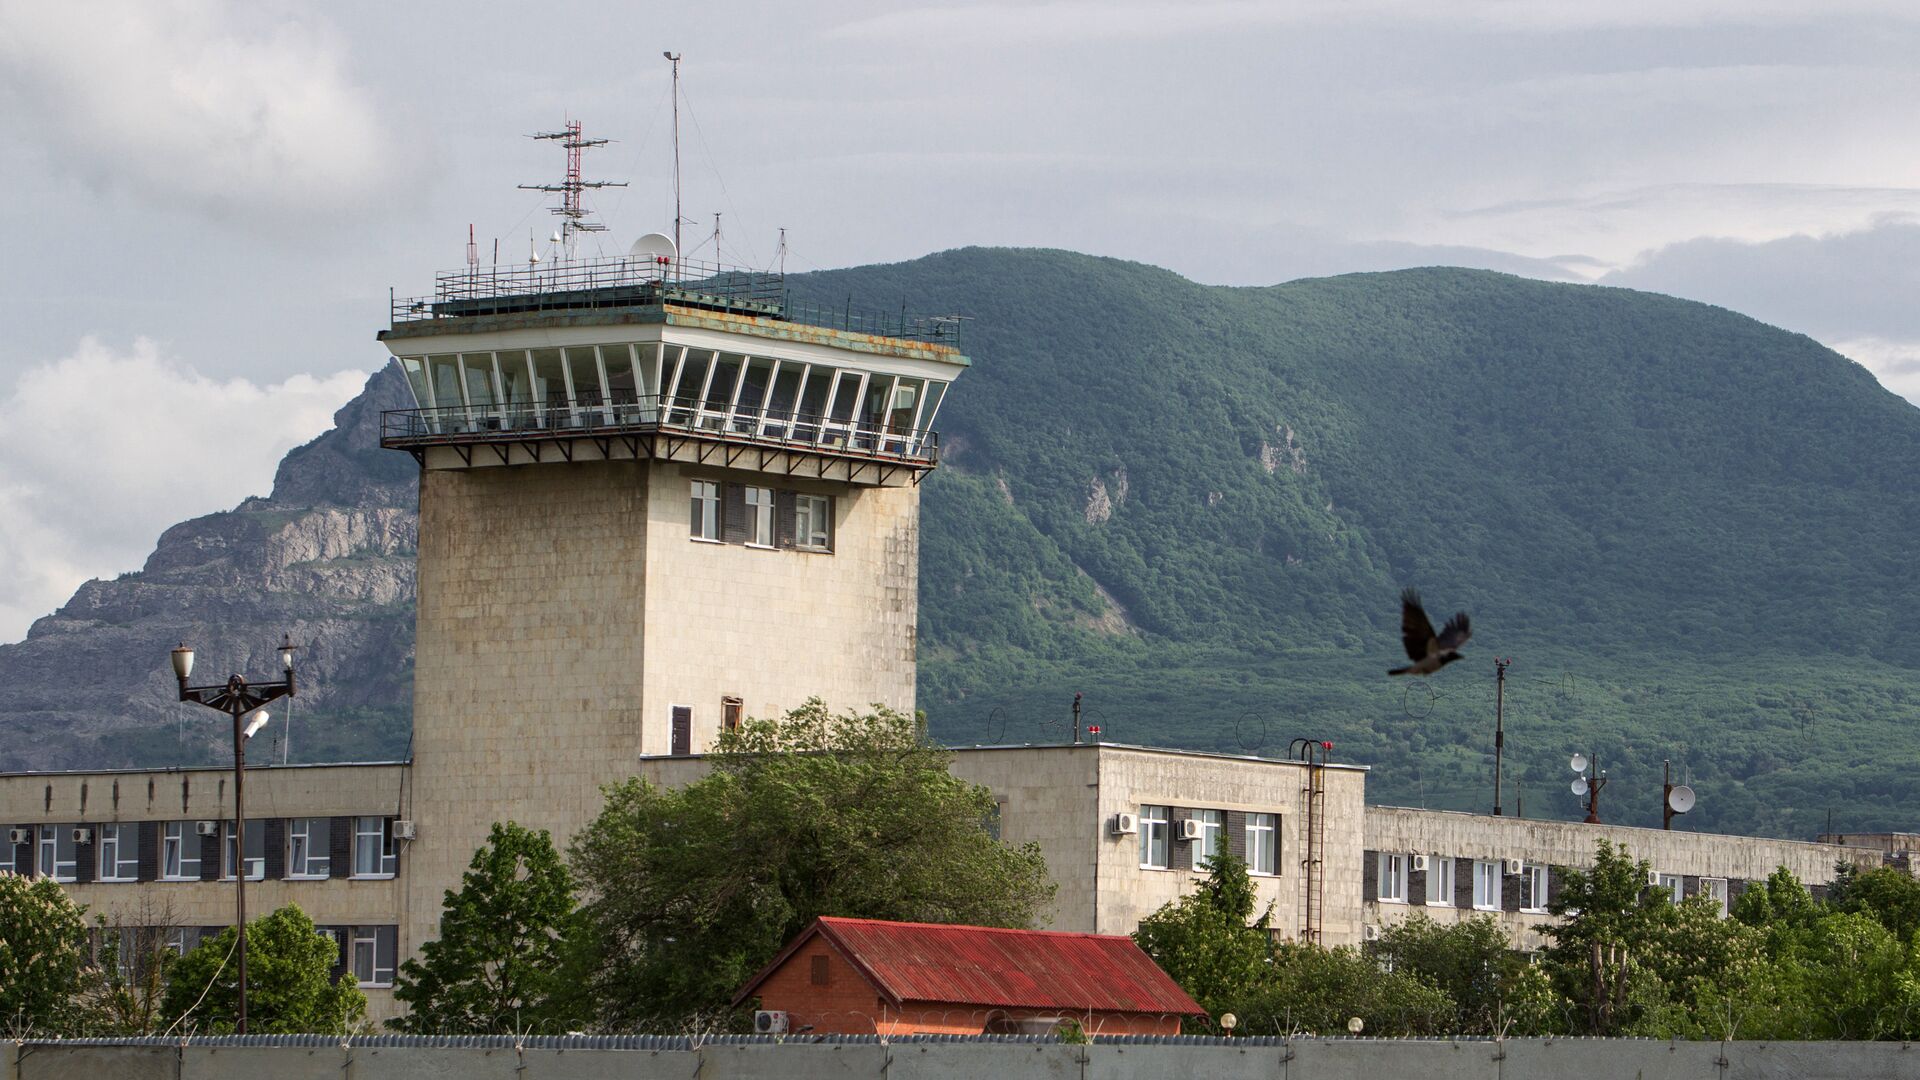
point(598, 284)
point(626, 414)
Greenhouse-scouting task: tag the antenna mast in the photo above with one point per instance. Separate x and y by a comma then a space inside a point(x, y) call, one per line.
point(674, 59)
point(574, 215)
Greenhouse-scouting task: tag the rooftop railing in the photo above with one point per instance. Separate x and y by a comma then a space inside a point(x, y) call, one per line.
point(773, 429)
point(603, 284)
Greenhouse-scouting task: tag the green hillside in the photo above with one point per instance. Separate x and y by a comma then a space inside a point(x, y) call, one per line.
point(1689, 529)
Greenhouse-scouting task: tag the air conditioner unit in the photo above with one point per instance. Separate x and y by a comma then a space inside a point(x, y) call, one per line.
point(207, 828)
point(1653, 877)
point(402, 829)
point(1370, 932)
point(1420, 863)
point(83, 836)
point(1123, 825)
point(770, 1022)
point(1514, 867)
point(20, 836)
point(1189, 828)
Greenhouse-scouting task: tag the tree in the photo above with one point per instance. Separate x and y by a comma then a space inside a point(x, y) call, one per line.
point(1205, 942)
point(1495, 990)
point(1315, 990)
point(1889, 894)
point(125, 997)
point(499, 965)
point(690, 891)
point(1602, 954)
point(289, 981)
point(43, 946)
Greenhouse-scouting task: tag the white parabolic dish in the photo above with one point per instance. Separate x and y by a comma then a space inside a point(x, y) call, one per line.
point(1680, 798)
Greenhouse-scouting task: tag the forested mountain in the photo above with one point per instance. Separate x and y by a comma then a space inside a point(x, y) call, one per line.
point(1197, 505)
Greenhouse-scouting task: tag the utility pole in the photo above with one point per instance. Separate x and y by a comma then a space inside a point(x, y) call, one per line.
point(674, 59)
point(1666, 796)
point(1499, 724)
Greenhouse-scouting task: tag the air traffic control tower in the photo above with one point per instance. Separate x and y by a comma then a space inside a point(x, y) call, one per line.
point(655, 497)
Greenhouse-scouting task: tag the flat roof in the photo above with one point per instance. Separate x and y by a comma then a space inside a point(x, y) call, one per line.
point(1605, 825)
point(204, 768)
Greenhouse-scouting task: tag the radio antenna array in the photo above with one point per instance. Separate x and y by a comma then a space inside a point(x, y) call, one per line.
point(573, 214)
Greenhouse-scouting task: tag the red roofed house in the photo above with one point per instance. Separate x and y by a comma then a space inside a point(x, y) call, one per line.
point(866, 977)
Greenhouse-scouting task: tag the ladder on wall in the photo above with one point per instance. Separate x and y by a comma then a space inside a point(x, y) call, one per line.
point(1313, 862)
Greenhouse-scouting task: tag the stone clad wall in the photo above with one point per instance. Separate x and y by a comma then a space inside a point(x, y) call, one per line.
point(774, 628)
point(1048, 796)
point(1692, 855)
point(528, 658)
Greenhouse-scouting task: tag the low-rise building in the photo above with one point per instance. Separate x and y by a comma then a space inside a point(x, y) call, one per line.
point(868, 977)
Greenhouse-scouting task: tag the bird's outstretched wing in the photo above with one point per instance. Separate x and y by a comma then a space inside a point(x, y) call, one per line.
point(1416, 633)
point(1455, 633)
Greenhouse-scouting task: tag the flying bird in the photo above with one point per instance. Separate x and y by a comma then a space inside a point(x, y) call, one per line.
point(1429, 651)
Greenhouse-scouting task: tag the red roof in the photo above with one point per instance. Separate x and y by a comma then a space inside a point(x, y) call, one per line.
point(980, 965)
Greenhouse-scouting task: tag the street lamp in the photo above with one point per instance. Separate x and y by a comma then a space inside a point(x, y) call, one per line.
point(237, 697)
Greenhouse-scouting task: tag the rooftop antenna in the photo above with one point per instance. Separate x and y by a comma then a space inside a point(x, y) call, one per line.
point(573, 215)
point(473, 253)
point(716, 237)
point(674, 59)
point(781, 252)
point(1499, 723)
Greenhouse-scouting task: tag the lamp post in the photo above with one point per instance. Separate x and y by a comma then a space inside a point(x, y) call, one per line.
point(237, 698)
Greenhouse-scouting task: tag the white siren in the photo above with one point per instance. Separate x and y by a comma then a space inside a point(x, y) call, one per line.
point(656, 246)
point(1680, 799)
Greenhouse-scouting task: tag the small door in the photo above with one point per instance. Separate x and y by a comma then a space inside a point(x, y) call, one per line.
point(682, 730)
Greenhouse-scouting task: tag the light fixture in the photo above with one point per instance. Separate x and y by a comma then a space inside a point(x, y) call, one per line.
point(259, 721)
point(182, 662)
point(1228, 1022)
point(286, 651)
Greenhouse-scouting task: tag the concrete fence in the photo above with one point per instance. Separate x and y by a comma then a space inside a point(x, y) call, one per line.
point(305, 1057)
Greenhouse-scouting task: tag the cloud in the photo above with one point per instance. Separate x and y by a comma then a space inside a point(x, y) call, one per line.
point(1078, 21)
point(102, 450)
point(202, 101)
point(1848, 285)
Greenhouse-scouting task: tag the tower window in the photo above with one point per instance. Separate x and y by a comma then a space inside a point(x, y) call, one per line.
point(760, 516)
point(813, 522)
point(705, 524)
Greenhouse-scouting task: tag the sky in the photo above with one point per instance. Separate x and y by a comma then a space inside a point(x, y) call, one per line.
point(209, 200)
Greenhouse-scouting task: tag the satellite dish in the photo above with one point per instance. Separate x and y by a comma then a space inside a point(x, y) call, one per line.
point(1579, 786)
point(653, 246)
point(1680, 799)
point(1579, 763)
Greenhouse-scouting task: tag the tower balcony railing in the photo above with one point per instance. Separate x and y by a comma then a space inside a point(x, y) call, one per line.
point(622, 415)
point(587, 285)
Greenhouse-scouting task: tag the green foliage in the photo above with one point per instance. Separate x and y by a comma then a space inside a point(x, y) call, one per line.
point(1206, 942)
point(500, 963)
point(289, 981)
point(692, 890)
point(43, 943)
point(1889, 894)
point(1494, 990)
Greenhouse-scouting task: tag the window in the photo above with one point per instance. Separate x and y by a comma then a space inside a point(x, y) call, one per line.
point(1263, 844)
point(1154, 829)
point(256, 850)
point(373, 955)
point(1671, 883)
point(1486, 886)
point(821, 975)
point(177, 940)
point(705, 524)
point(307, 841)
point(373, 854)
point(730, 708)
point(760, 516)
point(1213, 837)
point(1393, 877)
point(1715, 889)
point(1533, 888)
point(119, 848)
point(6, 858)
point(1439, 881)
point(812, 522)
point(59, 858)
point(180, 852)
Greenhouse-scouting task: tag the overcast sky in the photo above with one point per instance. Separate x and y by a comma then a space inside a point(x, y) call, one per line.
point(208, 200)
